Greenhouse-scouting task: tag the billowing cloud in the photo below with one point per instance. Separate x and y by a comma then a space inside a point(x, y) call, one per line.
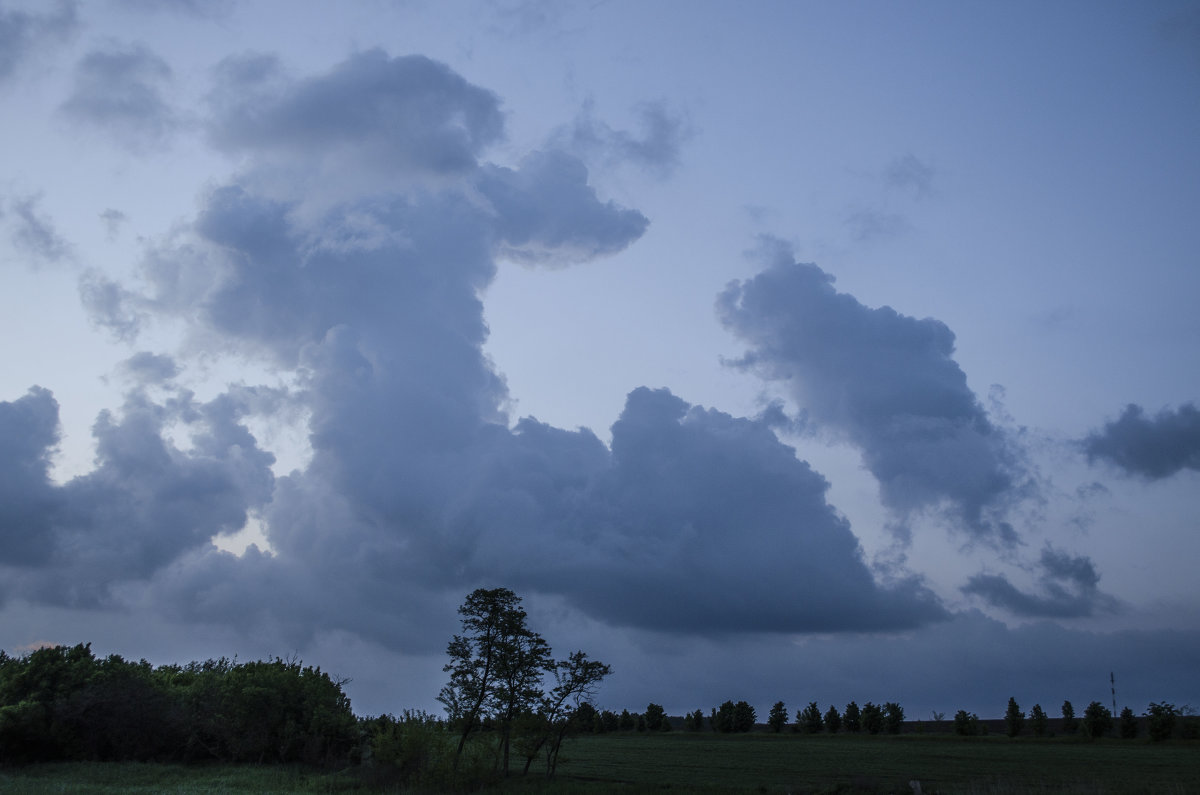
point(886, 382)
point(120, 91)
point(1069, 589)
point(22, 34)
point(28, 501)
point(371, 112)
point(1149, 447)
point(693, 521)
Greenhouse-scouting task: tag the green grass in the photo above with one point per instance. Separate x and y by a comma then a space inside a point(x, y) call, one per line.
point(720, 763)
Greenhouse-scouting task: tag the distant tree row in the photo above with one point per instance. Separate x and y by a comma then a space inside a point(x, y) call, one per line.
point(871, 718)
point(1161, 721)
point(63, 703)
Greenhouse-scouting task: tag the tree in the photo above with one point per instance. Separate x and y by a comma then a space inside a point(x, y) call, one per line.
point(1069, 723)
point(809, 719)
point(777, 718)
point(1129, 724)
point(1014, 718)
point(1038, 720)
point(695, 721)
point(1097, 720)
point(966, 723)
point(853, 718)
point(833, 720)
point(744, 717)
point(730, 717)
point(575, 682)
point(654, 717)
point(893, 717)
point(872, 718)
point(1162, 720)
point(626, 722)
point(495, 664)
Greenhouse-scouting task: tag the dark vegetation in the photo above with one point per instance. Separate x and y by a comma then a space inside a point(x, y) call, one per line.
point(510, 708)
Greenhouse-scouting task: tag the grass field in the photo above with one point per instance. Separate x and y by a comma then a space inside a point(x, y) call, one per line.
point(721, 763)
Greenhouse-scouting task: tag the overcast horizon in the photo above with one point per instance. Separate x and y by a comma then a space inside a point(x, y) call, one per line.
point(770, 351)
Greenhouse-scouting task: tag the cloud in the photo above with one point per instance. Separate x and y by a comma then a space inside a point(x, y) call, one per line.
point(149, 368)
point(1151, 448)
point(214, 9)
point(886, 382)
point(656, 150)
point(419, 487)
point(113, 220)
point(373, 113)
point(146, 502)
point(34, 233)
point(1069, 589)
point(872, 223)
point(909, 173)
point(110, 305)
point(120, 91)
point(22, 34)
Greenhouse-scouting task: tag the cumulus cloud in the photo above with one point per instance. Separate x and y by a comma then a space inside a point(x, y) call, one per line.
point(1149, 447)
point(23, 34)
point(886, 382)
point(1069, 588)
point(371, 113)
point(144, 504)
point(120, 91)
point(418, 489)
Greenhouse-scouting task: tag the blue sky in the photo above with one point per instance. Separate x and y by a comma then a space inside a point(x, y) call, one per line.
point(801, 351)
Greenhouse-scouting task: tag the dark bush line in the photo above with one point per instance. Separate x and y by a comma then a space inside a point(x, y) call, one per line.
point(64, 704)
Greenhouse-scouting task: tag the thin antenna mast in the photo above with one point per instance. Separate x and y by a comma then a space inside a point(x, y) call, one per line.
point(1113, 681)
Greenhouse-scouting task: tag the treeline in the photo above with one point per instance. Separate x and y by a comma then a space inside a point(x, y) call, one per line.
point(1162, 722)
point(64, 703)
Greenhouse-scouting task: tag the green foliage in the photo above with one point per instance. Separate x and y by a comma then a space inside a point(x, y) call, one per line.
point(809, 719)
point(833, 720)
point(627, 722)
point(1014, 718)
point(1070, 724)
point(695, 721)
point(872, 718)
point(609, 720)
point(1097, 720)
point(730, 717)
point(966, 723)
point(893, 717)
point(777, 718)
point(1038, 720)
point(853, 718)
point(63, 703)
point(1162, 720)
point(1129, 724)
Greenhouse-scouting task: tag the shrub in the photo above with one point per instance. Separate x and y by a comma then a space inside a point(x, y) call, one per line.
point(1129, 724)
point(966, 723)
point(1162, 720)
point(1097, 720)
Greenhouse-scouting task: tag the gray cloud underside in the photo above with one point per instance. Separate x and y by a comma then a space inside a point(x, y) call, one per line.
point(34, 234)
point(1069, 589)
point(886, 382)
point(1149, 447)
point(693, 521)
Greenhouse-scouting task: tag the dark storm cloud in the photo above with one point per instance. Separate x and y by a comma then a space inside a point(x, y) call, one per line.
point(22, 34)
point(33, 233)
point(387, 113)
point(121, 91)
point(887, 382)
point(144, 504)
point(1149, 447)
point(1069, 589)
point(28, 436)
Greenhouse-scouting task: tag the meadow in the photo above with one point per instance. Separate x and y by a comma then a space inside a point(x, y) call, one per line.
point(709, 762)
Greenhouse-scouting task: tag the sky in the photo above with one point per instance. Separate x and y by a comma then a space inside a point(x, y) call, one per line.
point(769, 351)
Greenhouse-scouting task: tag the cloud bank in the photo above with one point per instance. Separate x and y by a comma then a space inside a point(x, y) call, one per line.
point(887, 383)
point(1152, 448)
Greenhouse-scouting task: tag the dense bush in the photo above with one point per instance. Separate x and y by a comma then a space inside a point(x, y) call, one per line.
point(966, 723)
point(1097, 720)
point(63, 703)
